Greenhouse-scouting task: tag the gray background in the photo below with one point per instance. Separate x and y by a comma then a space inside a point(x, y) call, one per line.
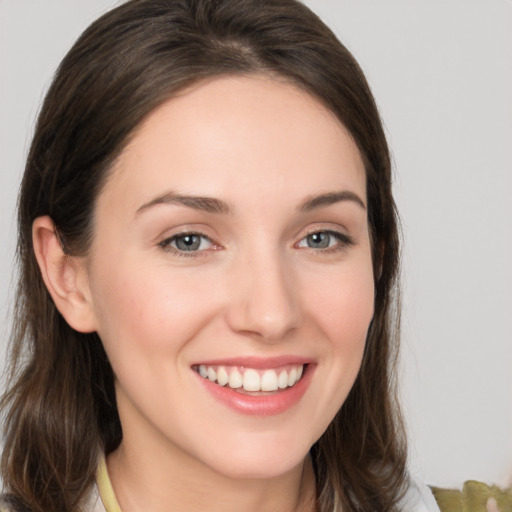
point(441, 71)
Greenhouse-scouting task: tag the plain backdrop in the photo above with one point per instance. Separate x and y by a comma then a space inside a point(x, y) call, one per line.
point(441, 71)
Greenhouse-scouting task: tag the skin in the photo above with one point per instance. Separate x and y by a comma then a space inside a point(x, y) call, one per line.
point(254, 288)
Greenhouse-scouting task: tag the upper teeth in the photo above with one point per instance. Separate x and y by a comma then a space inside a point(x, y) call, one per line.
point(250, 379)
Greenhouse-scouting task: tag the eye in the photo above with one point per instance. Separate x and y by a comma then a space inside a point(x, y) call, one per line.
point(187, 242)
point(325, 240)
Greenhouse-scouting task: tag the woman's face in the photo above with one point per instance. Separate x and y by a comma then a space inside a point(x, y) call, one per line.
point(232, 253)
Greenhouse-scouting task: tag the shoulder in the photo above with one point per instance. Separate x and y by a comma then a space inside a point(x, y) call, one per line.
point(418, 498)
point(95, 503)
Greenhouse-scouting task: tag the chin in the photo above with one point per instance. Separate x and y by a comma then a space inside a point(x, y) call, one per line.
point(260, 469)
point(254, 459)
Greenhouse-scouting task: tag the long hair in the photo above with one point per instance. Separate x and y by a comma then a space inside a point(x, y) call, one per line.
point(60, 406)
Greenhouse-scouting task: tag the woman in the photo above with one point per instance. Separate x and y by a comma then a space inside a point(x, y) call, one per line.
point(208, 253)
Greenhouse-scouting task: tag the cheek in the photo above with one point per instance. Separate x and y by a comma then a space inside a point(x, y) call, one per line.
point(145, 309)
point(345, 307)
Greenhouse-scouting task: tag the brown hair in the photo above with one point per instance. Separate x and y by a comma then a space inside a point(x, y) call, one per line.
point(60, 408)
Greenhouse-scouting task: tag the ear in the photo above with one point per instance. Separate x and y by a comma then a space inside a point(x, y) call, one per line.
point(65, 276)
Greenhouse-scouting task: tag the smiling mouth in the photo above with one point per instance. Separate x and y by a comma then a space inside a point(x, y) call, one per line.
point(251, 380)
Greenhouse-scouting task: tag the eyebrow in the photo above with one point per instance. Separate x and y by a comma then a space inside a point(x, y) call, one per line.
point(323, 200)
point(214, 205)
point(206, 204)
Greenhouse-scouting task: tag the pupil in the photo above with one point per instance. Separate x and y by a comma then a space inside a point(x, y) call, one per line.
point(188, 242)
point(318, 240)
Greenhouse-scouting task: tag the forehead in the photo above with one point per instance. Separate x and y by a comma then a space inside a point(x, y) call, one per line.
point(249, 133)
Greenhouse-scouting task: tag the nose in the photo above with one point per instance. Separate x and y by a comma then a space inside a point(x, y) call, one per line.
point(264, 299)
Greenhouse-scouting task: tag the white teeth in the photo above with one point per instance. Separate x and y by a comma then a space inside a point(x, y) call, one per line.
point(212, 375)
point(282, 381)
point(222, 376)
point(251, 380)
point(235, 379)
point(292, 377)
point(269, 381)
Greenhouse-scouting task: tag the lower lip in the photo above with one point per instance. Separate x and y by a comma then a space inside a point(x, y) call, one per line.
point(264, 405)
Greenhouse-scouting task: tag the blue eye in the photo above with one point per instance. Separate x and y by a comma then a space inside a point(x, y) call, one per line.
point(319, 240)
point(325, 240)
point(187, 242)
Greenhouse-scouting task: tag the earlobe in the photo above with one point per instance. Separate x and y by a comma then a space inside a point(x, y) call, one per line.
point(65, 276)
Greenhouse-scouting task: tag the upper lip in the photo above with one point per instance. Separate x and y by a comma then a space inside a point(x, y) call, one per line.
point(257, 362)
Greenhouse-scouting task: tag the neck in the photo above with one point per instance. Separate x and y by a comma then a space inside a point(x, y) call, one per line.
point(144, 480)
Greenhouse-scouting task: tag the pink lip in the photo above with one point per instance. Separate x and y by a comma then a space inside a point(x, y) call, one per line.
point(264, 405)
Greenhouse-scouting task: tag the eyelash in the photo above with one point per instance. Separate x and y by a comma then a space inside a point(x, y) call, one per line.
point(166, 244)
point(343, 241)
